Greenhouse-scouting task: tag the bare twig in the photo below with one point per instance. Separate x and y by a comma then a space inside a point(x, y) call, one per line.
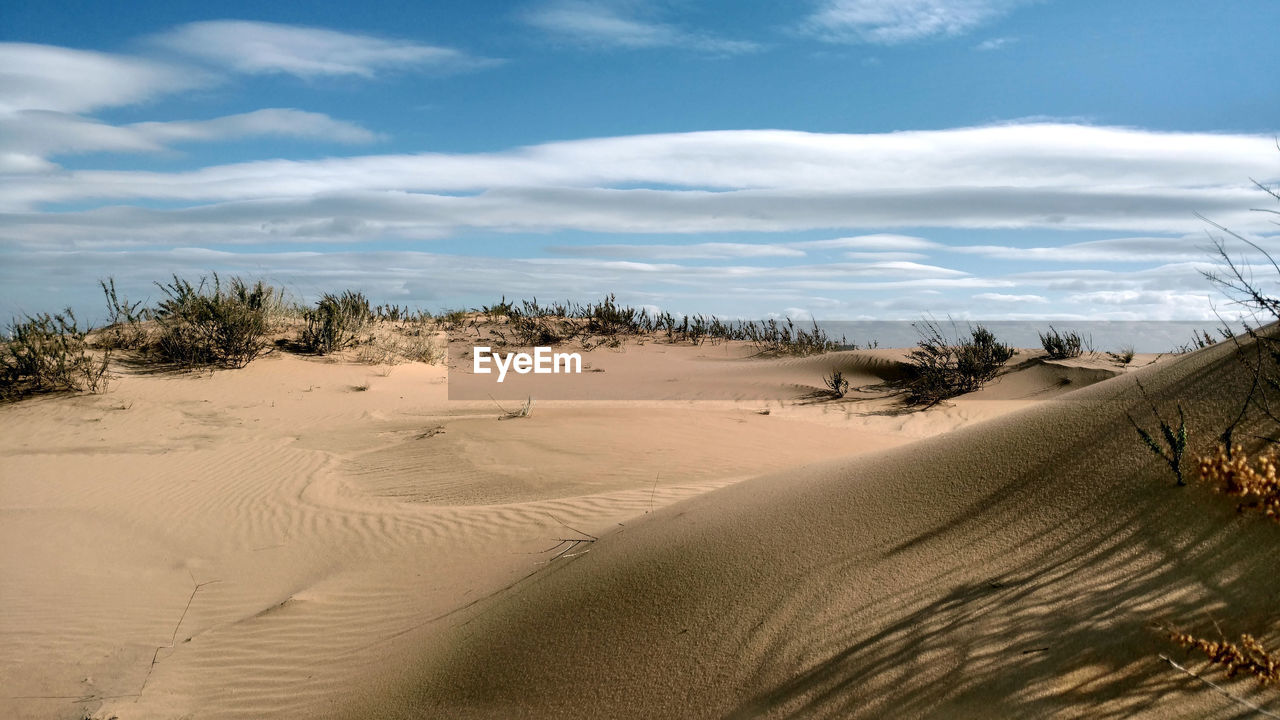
point(553, 517)
point(1226, 693)
point(155, 657)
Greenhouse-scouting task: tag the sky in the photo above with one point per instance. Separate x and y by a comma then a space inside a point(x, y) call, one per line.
point(837, 159)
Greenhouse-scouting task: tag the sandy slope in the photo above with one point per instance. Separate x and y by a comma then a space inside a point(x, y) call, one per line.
point(1012, 569)
point(284, 544)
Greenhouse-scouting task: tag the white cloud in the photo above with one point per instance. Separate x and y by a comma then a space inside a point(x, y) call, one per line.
point(1006, 298)
point(1041, 175)
point(39, 134)
point(43, 77)
point(279, 122)
point(610, 26)
point(270, 48)
point(693, 251)
point(880, 241)
point(714, 250)
point(1193, 247)
point(890, 22)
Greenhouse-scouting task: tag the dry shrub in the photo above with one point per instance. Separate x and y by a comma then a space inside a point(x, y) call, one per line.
point(941, 368)
point(336, 322)
point(1061, 346)
point(836, 383)
point(1256, 485)
point(1248, 657)
point(49, 353)
point(392, 344)
point(223, 324)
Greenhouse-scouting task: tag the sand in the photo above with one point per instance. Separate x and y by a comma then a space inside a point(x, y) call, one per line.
point(310, 538)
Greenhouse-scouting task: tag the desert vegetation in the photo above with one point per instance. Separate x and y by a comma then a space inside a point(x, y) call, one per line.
point(1172, 443)
point(1256, 485)
point(1252, 482)
point(126, 328)
point(942, 368)
point(1061, 346)
point(1122, 357)
point(50, 353)
point(336, 322)
point(608, 323)
point(1247, 657)
point(212, 324)
point(836, 384)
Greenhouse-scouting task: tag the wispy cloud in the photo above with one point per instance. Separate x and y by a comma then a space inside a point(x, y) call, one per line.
point(994, 44)
point(890, 22)
point(47, 92)
point(278, 122)
point(1006, 298)
point(40, 134)
point(693, 251)
point(887, 243)
point(270, 48)
point(60, 79)
point(1186, 248)
point(619, 26)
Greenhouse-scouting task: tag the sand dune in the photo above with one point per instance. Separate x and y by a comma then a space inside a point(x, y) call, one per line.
point(313, 538)
point(1011, 569)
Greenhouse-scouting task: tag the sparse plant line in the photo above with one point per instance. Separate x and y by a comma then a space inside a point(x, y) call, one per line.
point(1176, 440)
point(836, 383)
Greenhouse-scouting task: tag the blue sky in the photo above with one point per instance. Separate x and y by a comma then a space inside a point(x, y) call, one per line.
point(849, 159)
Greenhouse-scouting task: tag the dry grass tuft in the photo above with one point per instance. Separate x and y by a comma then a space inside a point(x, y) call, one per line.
point(1255, 484)
point(1123, 357)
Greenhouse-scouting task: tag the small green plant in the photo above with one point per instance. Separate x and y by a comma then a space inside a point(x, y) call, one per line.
point(836, 383)
point(1175, 440)
point(1060, 346)
point(48, 353)
point(212, 324)
point(336, 322)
